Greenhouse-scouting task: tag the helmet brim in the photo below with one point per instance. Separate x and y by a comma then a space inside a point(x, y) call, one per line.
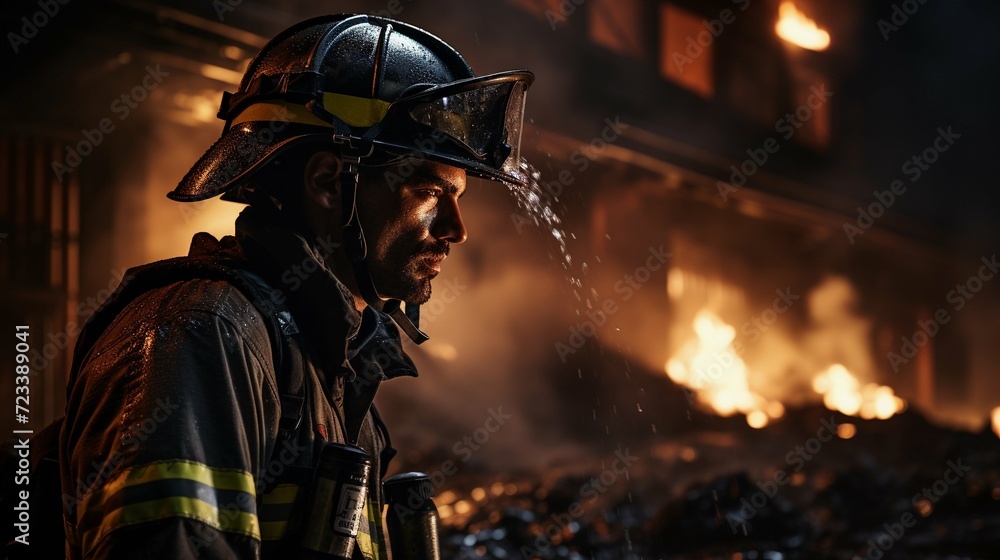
point(399, 152)
point(474, 124)
point(237, 154)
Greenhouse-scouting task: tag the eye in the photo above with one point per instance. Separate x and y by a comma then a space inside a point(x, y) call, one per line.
point(429, 193)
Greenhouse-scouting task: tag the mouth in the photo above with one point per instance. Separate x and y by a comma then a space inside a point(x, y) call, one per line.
point(433, 262)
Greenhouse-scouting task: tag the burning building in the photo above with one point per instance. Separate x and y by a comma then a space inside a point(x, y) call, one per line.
point(750, 217)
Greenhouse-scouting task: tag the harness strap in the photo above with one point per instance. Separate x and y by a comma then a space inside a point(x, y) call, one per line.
point(288, 363)
point(388, 451)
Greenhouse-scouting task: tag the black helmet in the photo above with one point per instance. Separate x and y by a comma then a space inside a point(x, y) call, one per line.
point(376, 87)
point(380, 89)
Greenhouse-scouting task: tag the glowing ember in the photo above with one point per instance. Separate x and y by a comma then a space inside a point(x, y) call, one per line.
point(844, 393)
point(794, 27)
point(757, 419)
point(846, 430)
point(463, 507)
point(996, 421)
point(709, 366)
point(446, 498)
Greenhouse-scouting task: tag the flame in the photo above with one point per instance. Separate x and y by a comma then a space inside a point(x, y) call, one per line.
point(844, 393)
point(794, 27)
point(709, 366)
point(996, 420)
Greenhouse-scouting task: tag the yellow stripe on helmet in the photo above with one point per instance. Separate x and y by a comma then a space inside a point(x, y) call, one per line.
point(355, 111)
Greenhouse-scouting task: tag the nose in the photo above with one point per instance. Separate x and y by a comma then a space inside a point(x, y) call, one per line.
point(448, 226)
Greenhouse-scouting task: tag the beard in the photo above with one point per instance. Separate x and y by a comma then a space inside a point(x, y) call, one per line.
point(403, 273)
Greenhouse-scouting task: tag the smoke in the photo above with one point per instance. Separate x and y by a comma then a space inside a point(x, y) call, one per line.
point(839, 333)
point(783, 363)
point(492, 317)
point(495, 326)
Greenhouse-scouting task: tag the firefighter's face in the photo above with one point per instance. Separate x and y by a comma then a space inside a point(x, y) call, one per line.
point(411, 217)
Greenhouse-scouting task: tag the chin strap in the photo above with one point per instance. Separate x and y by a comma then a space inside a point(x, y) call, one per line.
point(357, 252)
point(353, 149)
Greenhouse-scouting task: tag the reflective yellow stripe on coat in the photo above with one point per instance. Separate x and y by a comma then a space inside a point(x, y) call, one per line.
point(221, 498)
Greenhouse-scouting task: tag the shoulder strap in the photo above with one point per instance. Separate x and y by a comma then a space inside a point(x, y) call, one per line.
point(288, 362)
point(388, 451)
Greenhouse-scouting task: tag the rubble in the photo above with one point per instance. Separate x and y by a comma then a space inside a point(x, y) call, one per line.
point(898, 489)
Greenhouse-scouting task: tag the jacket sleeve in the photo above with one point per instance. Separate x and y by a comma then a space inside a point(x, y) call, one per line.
point(167, 426)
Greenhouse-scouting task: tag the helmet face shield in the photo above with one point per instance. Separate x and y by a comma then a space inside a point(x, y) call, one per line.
point(475, 124)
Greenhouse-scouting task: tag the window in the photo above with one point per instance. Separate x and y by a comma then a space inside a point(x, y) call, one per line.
point(618, 25)
point(752, 79)
point(549, 10)
point(686, 50)
point(810, 106)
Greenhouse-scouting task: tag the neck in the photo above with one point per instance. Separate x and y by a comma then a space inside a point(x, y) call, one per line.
point(340, 266)
point(326, 227)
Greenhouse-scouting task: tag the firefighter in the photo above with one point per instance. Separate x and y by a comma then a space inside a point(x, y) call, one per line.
point(206, 391)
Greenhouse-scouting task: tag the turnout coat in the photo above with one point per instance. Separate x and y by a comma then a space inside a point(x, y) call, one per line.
point(201, 394)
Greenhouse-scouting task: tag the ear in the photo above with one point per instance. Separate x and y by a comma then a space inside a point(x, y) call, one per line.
point(322, 179)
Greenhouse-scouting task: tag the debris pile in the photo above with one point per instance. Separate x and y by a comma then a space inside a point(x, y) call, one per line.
point(899, 489)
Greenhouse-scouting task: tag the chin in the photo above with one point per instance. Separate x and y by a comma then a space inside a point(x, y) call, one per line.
point(419, 298)
point(413, 291)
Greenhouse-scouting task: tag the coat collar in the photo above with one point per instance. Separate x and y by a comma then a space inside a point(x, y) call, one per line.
point(321, 304)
